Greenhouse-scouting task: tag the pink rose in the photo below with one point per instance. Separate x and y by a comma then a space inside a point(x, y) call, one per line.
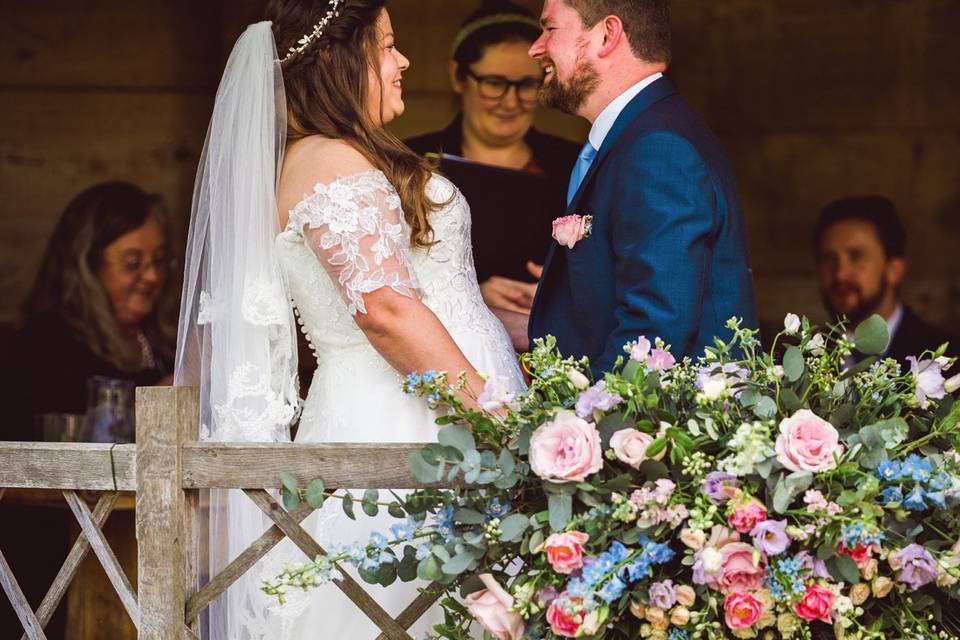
point(815, 604)
point(569, 230)
point(491, 608)
point(565, 449)
point(738, 571)
point(565, 550)
point(747, 515)
point(631, 445)
point(742, 610)
point(565, 616)
point(807, 442)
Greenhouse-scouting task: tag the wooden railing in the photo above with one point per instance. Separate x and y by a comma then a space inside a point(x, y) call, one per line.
point(168, 468)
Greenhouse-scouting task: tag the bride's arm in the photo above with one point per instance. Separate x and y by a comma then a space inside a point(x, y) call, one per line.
point(411, 338)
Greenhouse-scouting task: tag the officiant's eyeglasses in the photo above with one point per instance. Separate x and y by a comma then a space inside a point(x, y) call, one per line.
point(496, 87)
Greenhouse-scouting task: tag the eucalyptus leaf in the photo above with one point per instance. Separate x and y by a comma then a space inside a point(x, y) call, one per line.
point(765, 408)
point(369, 504)
point(422, 470)
point(536, 540)
point(793, 364)
point(561, 510)
point(291, 499)
point(749, 398)
point(396, 510)
point(798, 481)
point(781, 497)
point(288, 482)
point(843, 568)
point(513, 526)
point(429, 569)
point(791, 401)
point(458, 437)
point(506, 462)
point(468, 516)
point(315, 494)
point(348, 506)
point(457, 564)
point(872, 336)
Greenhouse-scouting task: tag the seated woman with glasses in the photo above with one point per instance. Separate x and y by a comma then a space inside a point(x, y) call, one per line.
point(94, 309)
point(496, 83)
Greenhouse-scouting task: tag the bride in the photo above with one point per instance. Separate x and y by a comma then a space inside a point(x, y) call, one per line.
point(303, 196)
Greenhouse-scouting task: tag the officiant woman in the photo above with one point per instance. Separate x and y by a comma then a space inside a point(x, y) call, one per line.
point(496, 85)
point(94, 307)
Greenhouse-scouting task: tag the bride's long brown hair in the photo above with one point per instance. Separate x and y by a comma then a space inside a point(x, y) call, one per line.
point(327, 87)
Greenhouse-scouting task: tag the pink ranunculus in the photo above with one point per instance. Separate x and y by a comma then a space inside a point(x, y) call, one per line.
point(738, 571)
point(742, 610)
point(815, 604)
point(807, 442)
point(860, 553)
point(491, 608)
point(565, 550)
point(630, 446)
point(747, 515)
point(565, 616)
point(569, 230)
point(565, 449)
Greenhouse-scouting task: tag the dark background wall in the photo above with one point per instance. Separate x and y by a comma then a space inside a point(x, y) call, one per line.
point(814, 99)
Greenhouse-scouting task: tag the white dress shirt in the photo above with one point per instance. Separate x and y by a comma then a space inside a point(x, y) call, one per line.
point(604, 122)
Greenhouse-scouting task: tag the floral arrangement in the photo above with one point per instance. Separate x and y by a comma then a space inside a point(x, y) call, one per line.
point(745, 494)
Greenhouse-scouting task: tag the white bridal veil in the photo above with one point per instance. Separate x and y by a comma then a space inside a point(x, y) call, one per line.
point(237, 336)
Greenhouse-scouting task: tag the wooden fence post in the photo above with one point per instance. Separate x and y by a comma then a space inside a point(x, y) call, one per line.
point(166, 418)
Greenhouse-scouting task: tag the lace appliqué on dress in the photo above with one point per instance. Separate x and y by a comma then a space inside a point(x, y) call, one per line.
point(356, 228)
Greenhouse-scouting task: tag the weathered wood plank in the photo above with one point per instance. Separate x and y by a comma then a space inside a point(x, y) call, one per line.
point(70, 566)
point(34, 630)
point(364, 601)
point(163, 418)
point(259, 548)
point(101, 548)
point(258, 466)
point(67, 465)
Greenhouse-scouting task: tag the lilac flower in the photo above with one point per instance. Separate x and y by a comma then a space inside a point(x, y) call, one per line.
point(596, 398)
point(928, 376)
point(663, 594)
point(915, 566)
point(813, 564)
point(497, 393)
point(771, 537)
point(720, 486)
point(639, 350)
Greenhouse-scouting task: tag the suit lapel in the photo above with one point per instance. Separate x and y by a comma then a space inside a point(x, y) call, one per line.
point(659, 89)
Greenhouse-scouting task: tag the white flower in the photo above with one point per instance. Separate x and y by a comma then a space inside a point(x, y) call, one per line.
point(775, 372)
point(842, 605)
point(952, 384)
point(817, 345)
point(712, 559)
point(577, 379)
point(715, 388)
point(791, 323)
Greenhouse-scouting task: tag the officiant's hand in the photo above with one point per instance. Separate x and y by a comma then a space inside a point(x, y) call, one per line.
point(509, 294)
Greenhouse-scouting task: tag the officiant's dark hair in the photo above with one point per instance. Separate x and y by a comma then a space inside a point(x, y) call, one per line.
point(327, 85)
point(878, 211)
point(493, 22)
point(646, 23)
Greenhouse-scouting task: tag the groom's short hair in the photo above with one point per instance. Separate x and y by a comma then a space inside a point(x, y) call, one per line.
point(646, 23)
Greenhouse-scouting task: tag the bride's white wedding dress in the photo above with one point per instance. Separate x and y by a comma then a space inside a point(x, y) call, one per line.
point(345, 239)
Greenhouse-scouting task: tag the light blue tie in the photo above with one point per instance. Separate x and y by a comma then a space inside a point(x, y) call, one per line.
point(584, 160)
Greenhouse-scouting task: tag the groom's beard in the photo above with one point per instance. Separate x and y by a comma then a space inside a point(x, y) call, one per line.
point(865, 307)
point(569, 96)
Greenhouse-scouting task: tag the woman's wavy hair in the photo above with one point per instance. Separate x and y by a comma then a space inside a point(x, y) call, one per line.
point(67, 284)
point(327, 87)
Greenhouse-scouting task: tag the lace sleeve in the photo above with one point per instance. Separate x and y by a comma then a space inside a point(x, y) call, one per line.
point(355, 226)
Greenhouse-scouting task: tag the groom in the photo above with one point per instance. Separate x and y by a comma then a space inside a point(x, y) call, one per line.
point(667, 254)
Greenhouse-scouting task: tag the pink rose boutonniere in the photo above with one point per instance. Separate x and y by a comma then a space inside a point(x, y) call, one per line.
point(569, 230)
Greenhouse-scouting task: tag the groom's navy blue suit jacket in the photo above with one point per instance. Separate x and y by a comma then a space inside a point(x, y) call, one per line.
point(668, 254)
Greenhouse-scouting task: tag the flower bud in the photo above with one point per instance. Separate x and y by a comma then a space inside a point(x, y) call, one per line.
point(859, 593)
point(638, 609)
point(791, 324)
point(686, 596)
point(881, 587)
point(869, 569)
point(577, 379)
point(658, 618)
point(680, 616)
point(693, 538)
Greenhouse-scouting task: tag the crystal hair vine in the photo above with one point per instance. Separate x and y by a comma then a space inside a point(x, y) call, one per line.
point(333, 11)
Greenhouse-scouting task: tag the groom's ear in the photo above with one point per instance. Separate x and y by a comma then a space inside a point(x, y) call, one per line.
point(613, 35)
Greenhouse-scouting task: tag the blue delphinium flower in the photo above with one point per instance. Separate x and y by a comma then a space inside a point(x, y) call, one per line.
point(617, 552)
point(678, 634)
point(891, 494)
point(423, 552)
point(428, 376)
point(612, 590)
point(444, 523)
point(496, 509)
point(940, 481)
point(914, 500)
point(356, 553)
point(936, 498)
point(917, 468)
point(888, 470)
point(403, 530)
point(378, 540)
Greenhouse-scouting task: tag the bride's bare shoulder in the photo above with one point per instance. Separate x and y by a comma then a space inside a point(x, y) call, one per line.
point(315, 160)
